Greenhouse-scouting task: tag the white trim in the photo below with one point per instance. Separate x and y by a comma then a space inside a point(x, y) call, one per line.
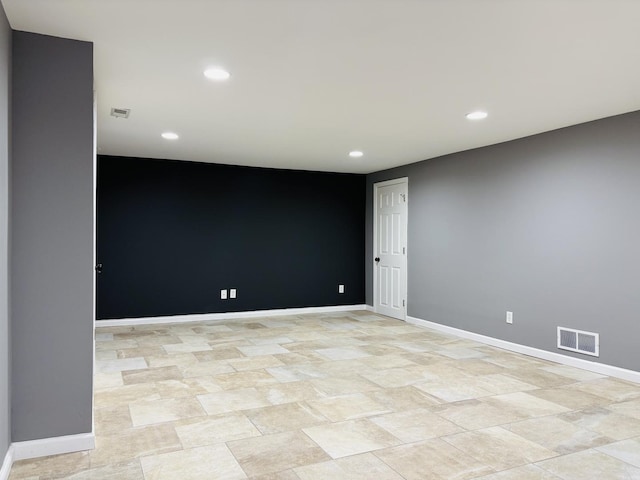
point(95, 249)
point(386, 183)
point(601, 368)
point(6, 464)
point(208, 317)
point(53, 446)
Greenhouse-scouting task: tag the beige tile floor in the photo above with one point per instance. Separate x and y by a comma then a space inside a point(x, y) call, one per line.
point(342, 396)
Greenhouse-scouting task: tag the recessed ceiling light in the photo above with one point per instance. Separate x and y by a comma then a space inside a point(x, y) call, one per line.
point(170, 136)
point(217, 74)
point(356, 153)
point(478, 115)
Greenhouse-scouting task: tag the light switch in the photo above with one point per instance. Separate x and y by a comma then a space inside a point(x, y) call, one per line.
point(223, 294)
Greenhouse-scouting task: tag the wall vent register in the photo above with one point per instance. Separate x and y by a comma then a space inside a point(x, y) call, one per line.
point(579, 341)
point(120, 112)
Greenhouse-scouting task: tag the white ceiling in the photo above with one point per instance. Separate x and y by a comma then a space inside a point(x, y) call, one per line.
point(314, 79)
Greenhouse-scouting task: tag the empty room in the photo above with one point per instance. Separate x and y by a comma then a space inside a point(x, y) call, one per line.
point(308, 240)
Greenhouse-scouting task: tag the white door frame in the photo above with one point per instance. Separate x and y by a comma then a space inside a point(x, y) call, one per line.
point(377, 185)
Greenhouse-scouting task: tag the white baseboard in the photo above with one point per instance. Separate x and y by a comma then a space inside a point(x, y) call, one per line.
point(53, 446)
point(600, 368)
point(6, 464)
point(208, 317)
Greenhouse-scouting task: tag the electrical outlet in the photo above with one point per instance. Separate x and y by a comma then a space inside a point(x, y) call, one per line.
point(340, 288)
point(223, 294)
point(232, 293)
point(509, 317)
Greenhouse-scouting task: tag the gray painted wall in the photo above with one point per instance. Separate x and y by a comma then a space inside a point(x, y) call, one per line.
point(546, 226)
point(5, 133)
point(51, 236)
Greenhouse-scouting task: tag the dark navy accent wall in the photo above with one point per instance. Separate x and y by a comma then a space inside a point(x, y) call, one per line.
point(172, 234)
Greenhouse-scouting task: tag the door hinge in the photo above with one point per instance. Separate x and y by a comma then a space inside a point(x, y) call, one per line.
point(404, 250)
point(403, 303)
point(404, 197)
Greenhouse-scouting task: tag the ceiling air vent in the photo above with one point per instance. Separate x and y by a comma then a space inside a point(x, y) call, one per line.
point(120, 112)
point(579, 341)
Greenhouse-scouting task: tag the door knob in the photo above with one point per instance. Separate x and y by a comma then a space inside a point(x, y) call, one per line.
point(98, 268)
point(377, 259)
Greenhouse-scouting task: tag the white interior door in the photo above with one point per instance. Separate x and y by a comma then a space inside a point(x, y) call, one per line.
point(390, 248)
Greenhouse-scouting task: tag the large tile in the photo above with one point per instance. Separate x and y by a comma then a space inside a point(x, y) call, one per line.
point(294, 358)
point(558, 435)
point(232, 400)
point(525, 472)
point(605, 422)
point(539, 377)
point(526, 404)
point(285, 417)
point(357, 467)
point(348, 407)
point(344, 353)
point(120, 364)
point(626, 450)
point(460, 353)
point(214, 461)
point(200, 431)
point(477, 414)
point(350, 438)
point(432, 459)
point(498, 448)
point(202, 369)
point(103, 381)
point(279, 393)
point(260, 350)
point(245, 379)
point(416, 425)
point(590, 464)
point(397, 377)
point(453, 391)
point(111, 420)
point(153, 351)
point(178, 359)
point(165, 410)
point(342, 368)
point(187, 387)
point(46, 467)
point(403, 398)
point(630, 408)
point(218, 353)
point(570, 398)
point(612, 388)
point(131, 470)
point(296, 372)
point(284, 475)
point(111, 397)
point(150, 375)
point(271, 339)
point(255, 363)
point(274, 453)
point(134, 443)
point(186, 347)
point(576, 374)
point(333, 386)
point(382, 362)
